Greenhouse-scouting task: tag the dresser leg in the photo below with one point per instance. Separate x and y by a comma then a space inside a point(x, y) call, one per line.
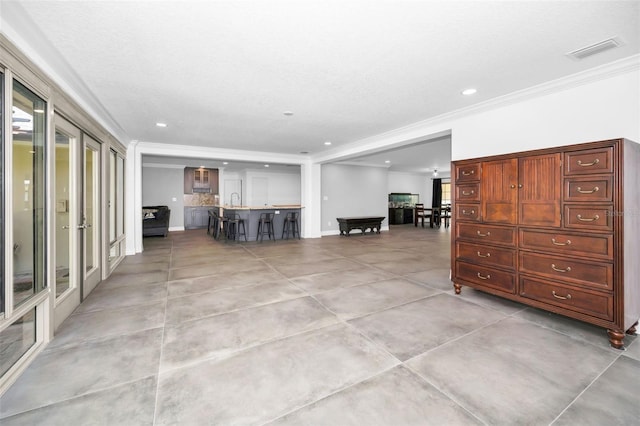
point(457, 287)
point(633, 329)
point(616, 338)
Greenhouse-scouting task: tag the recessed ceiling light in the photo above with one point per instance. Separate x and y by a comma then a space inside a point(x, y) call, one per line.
point(225, 162)
point(288, 113)
point(327, 143)
point(161, 124)
point(266, 165)
point(468, 92)
point(387, 161)
point(202, 167)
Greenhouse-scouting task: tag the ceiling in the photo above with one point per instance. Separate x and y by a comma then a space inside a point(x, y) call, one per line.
point(223, 73)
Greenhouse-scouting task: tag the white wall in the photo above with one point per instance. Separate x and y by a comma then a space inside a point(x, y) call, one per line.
point(281, 188)
point(602, 109)
point(414, 183)
point(352, 191)
point(159, 186)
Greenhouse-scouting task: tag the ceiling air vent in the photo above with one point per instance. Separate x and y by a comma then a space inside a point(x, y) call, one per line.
point(610, 43)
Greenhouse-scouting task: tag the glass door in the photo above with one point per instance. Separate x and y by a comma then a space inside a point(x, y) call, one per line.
point(67, 236)
point(91, 215)
point(77, 217)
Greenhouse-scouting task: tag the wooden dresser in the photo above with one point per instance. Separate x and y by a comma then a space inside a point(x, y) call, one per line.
point(558, 229)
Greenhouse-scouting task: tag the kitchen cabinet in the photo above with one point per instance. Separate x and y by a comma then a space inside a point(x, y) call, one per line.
point(555, 228)
point(200, 180)
point(196, 217)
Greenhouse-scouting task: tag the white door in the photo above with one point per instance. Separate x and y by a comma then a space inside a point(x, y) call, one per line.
point(77, 219)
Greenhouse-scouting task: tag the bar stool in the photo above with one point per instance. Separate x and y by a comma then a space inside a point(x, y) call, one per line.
point(233, 227)
point(265, 226)
point(290, 226)
point(214, 223)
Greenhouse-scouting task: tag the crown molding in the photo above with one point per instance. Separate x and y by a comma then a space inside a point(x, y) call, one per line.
point(438, 126)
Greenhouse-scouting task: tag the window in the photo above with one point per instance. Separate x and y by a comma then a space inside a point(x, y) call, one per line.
point(446, 193)
point(16, 340)
point(2, 267)
point(28, 185)
point(116, 206)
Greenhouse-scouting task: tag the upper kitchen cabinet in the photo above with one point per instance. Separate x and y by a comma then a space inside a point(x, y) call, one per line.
point(200, 180)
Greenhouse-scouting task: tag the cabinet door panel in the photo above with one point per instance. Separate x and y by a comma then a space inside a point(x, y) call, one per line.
point(499, 194)
point(540, 190)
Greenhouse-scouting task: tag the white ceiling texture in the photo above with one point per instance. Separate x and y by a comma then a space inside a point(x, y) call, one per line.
point(223, 73)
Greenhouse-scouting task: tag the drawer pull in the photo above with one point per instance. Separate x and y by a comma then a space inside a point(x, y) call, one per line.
point(483, 278)
point(553, 266)
point(465, 173)
point(586, 191)
point(586, 219)
point(468, 192)
point(480, 234)
point(561, 297)
point(484, 255)
point(593, 163)
point(553, 240)
point(472, 212)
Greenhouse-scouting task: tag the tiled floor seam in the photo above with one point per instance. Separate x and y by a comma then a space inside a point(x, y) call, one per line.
point(585, 389)
point(597, 344)
point(328, 395)
point(92, 392)
point(446, 394)
point(164, 325)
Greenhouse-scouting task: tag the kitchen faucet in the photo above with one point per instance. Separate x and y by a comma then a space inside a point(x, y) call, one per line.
point(231, 197)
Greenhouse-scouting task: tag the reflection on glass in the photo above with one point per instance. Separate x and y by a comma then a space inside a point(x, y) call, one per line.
point(1, 193)
point(112, 196)
point(90, 210)
point(29, 123)
point(120, 196)
point(16, 340)
point(62, 197)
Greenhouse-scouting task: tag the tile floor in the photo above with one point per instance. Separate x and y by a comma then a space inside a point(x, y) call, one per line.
point(362, 330)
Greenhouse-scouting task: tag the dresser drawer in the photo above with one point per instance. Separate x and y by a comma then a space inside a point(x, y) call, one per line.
point(589, 189)
point(468, 212)
point(486, 234)
point(486, 277)
point(580, 216)
point(467, 173)
point(486, 255)
point(597, 275)
point(589, 161)
point(595, 246)
point(468, 192)
point(594, 303)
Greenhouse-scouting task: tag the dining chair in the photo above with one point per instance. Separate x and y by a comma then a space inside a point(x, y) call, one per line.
point(420, 214)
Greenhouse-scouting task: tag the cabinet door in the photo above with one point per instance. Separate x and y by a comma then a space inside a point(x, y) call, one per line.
point(213, 179)
point(188, 180)
point(540, 190)
point(499, 191)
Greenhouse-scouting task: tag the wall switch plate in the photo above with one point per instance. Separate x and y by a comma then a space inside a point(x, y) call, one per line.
point(174, 199)
point(325, 198)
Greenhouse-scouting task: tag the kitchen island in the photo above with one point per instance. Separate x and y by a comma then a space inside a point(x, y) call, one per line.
point(251, 216)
